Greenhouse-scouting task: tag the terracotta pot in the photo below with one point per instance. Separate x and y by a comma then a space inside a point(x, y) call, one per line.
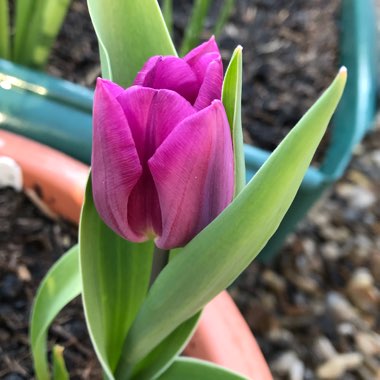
point(57, 181)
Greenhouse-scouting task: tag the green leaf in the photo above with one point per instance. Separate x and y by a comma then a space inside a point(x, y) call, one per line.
point(24, 10)
point(195, 25)
point(4, 30)
point(167, 11)
point(231, 97)
point(59, 368)
point(224, 14)
point(105, 62)
point(38, 24)
point(131, 32)
point(219, 253)
point(115, 279)
point(165, 353)
point(60, 285)
point(190, 369)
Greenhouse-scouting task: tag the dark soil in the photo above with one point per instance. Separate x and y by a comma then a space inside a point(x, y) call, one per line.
point(29, 245)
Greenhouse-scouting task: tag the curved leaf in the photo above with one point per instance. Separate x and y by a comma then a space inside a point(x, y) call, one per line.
point(60, 285)
point(115, 278)
point(231, 98)
point(190, 369)
point(166, 352)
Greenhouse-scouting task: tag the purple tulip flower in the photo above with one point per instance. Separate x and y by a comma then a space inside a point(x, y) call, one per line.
point(162, 162)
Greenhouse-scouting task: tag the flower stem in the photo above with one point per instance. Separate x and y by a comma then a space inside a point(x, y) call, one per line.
point(160, 259)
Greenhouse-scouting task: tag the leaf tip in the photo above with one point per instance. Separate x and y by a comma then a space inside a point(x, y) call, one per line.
point(58, 350)
point(343, 72)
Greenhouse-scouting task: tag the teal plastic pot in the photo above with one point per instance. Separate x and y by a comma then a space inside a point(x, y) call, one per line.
point(49, 110)
point(58, 113)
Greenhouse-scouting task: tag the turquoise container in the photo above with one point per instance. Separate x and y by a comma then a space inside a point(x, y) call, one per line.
point(58, 113)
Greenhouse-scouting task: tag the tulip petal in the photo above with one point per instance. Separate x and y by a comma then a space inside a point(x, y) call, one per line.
point(116, 166)
point(148, 66)
point(200, 57)
point(169, 73)
point(152, 116)
point(193, 173)
point(211, 88)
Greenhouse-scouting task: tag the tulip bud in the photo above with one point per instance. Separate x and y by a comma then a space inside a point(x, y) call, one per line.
point(162, 161)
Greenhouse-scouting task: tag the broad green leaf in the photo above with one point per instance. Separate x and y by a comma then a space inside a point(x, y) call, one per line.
point(225, 12)
point(195, 25)
point(191, 369)
point(131, 32)
point(60, 285)
point(167, 12)
point(219, 253)
point(231, 97)
point(4, 30)
point(59, 368)
point(165, 353)
point(115, 278)
point(38, 24)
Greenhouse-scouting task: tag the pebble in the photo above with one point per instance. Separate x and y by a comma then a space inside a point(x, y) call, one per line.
point(362, 291)
point(363, 246)
point(289, 364)
point(331, 251)
point(361, 279)
point(368, 343)
point(336, 366)
point(375, 157)
point(334, 234)
point(341, 307)
point(23, 273)
point(323, 348)
point(346, 329)
point(10, 172)
point(273, 281)
point(297, 370)
point(357, 196)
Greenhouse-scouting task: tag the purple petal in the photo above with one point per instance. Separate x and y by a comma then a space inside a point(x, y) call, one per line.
point(148, 66)
point(200, 58)
point(193, 173)
point(169, 73)
point(211, 88)
point(115, 164)
point(152, 116)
